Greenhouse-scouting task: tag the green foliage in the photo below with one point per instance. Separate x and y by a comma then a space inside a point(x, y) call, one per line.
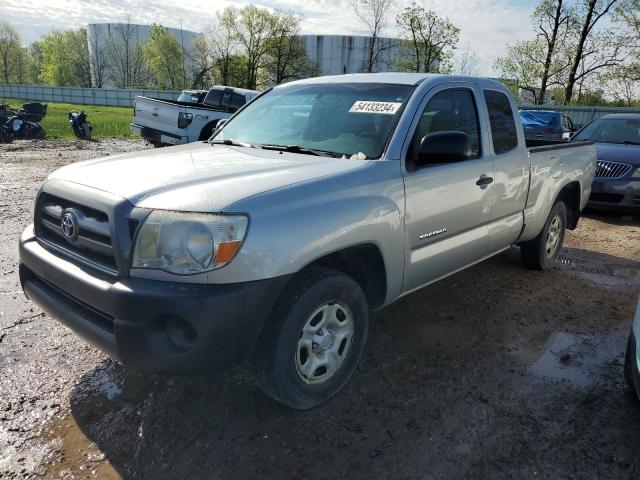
point(15, 62)
point(65, 58)
point(429, 40)
point(164, 58)
point(107, 122)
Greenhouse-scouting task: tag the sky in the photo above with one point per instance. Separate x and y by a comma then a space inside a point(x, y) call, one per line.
point(486, 26)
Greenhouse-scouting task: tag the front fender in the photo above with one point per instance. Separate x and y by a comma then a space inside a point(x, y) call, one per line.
point(293, 226)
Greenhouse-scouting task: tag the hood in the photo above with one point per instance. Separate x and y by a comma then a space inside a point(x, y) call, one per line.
point(199, 177)
point(617, 152)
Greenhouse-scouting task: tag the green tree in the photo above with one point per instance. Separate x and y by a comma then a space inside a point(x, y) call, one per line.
point(10, 49)
point(253, 28)
point(429, 40)
point(65, 58)
point(287, 57)
point(164, 58)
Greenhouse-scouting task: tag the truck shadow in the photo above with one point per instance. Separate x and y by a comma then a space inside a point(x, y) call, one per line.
point(447, 389)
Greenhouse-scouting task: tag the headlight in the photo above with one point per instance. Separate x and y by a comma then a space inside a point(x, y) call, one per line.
point(188, 243)
point(636, 173)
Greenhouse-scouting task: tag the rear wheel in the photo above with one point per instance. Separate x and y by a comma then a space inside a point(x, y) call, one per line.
point(541, 252)
point(313, 340)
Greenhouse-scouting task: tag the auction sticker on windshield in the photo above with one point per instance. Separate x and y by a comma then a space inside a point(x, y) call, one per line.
point(387, 108)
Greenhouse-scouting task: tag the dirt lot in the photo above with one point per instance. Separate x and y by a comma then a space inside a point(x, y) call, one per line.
point(496, 372)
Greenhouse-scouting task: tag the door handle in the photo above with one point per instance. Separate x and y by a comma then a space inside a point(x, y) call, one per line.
point(484, 180)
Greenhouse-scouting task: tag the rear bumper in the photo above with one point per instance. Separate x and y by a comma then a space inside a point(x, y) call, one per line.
point(157, 136)
point(618, 195)
point(132, 319)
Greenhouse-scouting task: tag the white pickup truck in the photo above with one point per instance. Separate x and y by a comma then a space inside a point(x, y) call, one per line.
point(174, 122)
point(320, 201)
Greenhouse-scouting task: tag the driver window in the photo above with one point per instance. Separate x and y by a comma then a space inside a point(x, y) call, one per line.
point(453, 110)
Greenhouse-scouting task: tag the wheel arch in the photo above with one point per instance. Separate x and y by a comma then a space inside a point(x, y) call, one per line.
point(570, 195)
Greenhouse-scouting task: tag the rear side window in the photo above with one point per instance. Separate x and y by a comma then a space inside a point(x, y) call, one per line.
point(503, 126)
point(213, 98)
point(237, 101)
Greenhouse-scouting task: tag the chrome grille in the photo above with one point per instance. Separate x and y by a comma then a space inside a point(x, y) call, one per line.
point(607, 169)
point(91, 243)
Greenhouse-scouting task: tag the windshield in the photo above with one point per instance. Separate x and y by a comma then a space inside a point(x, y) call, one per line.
point(611, 130)
point(341, 119)
point(539, 118)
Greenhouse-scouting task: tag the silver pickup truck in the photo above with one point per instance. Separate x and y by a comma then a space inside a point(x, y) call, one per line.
point(175, 122)
point(319, 202)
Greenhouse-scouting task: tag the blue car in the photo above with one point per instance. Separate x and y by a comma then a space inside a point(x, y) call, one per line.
point(545, 124)
point(632, 360)
point(616, 184)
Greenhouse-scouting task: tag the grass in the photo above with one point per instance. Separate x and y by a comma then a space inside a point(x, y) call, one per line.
point(107, 122)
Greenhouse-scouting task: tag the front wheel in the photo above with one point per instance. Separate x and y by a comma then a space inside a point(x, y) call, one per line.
point(541, 252)
point(313, 339)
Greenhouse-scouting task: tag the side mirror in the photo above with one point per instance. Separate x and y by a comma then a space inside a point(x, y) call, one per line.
point(219, 125)
point(566, 136)
point(444, 147)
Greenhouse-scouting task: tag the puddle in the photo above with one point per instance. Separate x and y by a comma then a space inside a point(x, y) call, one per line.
point(555, 362)
point(77, 456)
point(604, 272)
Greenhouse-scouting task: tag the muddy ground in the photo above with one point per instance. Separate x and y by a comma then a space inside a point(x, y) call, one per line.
point(496, 372)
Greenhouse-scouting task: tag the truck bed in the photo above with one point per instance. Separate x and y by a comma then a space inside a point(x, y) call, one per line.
point(538, 145)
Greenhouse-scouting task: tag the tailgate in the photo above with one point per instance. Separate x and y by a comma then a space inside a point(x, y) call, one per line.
point(157, 114)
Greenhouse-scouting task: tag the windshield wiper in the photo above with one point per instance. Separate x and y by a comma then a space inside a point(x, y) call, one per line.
point(299, 149)
point(631, 142)
point(229, 141)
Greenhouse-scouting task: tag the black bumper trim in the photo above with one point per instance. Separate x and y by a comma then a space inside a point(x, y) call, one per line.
point(227, 318)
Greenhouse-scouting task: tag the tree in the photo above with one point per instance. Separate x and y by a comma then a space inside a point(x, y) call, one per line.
point(598, 48)
point(163, 57)
point(467, 62)
point(522, 65)
point(554, 21)
point(125, 55)
point(374, 14)
point(253, 28)
point(98, 56)
point(287, 57)
point(429, 38)
point(224, 44)
point(623, 84)
point(9, 51)
point(203, 62)
point(65, 58)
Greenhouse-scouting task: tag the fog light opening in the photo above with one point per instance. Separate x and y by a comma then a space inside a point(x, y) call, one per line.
point(180, 333)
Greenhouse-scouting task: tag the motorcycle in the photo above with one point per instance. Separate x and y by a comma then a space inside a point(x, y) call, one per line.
point(80, 125)
point(22, 124)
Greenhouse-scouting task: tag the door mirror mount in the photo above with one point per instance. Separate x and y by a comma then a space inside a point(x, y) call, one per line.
point(444, 147)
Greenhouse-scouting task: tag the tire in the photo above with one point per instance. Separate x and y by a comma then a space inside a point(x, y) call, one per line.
point(313, 339)
point(631, 380)
point(541, 252)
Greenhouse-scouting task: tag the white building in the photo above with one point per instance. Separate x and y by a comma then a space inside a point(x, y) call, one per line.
point(339, 54)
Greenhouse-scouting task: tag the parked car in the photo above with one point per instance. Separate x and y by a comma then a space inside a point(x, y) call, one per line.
point(632, 358)
point(174, 122)
point(192, 96)
point(616, 185)
point(545, 124)
point(322, 200)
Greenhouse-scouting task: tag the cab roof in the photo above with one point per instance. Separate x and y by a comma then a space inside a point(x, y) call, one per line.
point(398, 78)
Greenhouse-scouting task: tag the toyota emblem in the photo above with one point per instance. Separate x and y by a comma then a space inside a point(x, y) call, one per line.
point(69, 226)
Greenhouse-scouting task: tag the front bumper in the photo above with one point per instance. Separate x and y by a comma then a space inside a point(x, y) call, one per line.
point(157, 136)
point(617, 195)
point(128, 318)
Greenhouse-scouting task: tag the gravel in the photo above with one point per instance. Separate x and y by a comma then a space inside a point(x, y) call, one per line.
point(495, 372)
